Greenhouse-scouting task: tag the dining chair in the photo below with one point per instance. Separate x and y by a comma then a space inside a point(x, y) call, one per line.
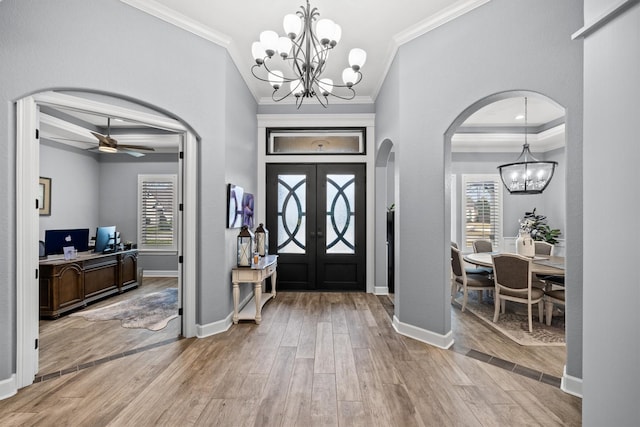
point(543, 248)
point(467, 281)
point(512, 276)
point(550, 298)
point(482, 246)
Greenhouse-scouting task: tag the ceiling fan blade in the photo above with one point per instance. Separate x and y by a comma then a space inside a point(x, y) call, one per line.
point(136, 147)
point(130, 152)
point(105, 140)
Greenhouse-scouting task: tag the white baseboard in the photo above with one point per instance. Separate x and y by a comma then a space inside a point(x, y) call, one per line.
point(220, 326)
point(203, 331)
point(428, 337)
point(381, 290)
point(160, 273)
point(571, 385)
point(8, 387)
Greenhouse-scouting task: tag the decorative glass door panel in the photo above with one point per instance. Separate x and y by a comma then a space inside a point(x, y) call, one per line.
point(340, 214)
point(292, 224)
point(316, 218)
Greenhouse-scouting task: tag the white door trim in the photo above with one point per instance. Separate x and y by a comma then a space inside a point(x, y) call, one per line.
point(27, 172)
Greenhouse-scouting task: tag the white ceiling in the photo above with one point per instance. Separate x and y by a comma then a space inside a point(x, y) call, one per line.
point(377, 26)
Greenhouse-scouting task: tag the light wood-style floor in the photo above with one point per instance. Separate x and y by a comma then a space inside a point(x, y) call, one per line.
point(68, 341)
point(326, 359)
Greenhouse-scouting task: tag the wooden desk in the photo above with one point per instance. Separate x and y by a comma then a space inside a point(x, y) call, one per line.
point(541, 265)
point(255, 274)
point(69, 284)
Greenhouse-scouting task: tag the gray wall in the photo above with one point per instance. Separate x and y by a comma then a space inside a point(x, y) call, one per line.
point(503, 45)
point(550, 203)
point(118, 191)
point(144, 59)
point(74, 187)
point(611, 293)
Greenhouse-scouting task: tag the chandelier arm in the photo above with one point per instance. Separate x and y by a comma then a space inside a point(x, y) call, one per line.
point(353, 95)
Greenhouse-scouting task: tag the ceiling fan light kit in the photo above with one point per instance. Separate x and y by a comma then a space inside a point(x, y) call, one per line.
point(527, 175)
point(304, 51)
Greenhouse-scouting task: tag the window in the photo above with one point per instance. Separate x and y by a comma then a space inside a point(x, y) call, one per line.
point(157, 213)
point(482, 209)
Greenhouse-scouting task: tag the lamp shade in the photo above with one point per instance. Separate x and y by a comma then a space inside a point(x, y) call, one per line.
point(357, 58)
point(276, 79)
point(527, 175)
point(292, 25)
point(269, 40)
point(325, 30)
point(257, 51)
point(349, 77)
point(326, 86)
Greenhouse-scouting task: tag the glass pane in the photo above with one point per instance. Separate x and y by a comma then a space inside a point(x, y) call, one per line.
point(292, 193)
point(333, 141)
point(341, 214)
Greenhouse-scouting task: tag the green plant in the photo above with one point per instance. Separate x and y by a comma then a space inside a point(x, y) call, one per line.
point(539, 228)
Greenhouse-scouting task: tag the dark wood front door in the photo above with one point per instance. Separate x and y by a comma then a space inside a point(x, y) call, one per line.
point(316, 221)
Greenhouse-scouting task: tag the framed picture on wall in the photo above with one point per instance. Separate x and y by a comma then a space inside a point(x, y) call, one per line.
point(44, 196)
point(235, 196)
point(247, 210)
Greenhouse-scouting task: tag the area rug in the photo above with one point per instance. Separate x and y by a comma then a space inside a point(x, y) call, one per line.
point(514, 323)
point(151, 311)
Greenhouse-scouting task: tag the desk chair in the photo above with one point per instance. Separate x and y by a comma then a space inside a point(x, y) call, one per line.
point(512, 275)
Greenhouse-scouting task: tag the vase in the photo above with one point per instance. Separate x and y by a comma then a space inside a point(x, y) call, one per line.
point(525, 245)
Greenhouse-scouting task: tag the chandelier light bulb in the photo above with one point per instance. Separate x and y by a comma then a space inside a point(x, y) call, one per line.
point(357, 58)
point(276, 79)
point(325, 29)
point(269, 40)
point(337, 35)
point(349, 76)
point(257, 50)
point(284, 46)
point(296, 87)
point(292, 25)
point(326, 86)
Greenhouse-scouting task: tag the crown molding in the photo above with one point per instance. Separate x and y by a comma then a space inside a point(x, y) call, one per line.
point(604, 18)
point(169, 15)
point(542, 142)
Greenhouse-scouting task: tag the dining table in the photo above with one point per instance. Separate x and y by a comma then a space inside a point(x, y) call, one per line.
point(541, 265)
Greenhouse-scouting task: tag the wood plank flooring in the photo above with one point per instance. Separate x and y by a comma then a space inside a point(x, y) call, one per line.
point(317, 359)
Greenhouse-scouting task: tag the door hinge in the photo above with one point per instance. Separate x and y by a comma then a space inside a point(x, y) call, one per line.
point(180, 311)
point(37, 133)
point(36, 343)
point(180, 207)
point(37, 204)
point(180, 259)
point(36, 273)
point(181, 155)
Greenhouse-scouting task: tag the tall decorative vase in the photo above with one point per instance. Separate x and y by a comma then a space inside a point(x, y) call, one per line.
point(525, 245)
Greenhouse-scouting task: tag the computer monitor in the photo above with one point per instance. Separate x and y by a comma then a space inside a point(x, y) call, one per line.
point(105, 238)
point(55, 240)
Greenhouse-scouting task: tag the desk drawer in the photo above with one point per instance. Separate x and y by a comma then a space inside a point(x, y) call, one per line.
point(246, 275)
point(271, 269)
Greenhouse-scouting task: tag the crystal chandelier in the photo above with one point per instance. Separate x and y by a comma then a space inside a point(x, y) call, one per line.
point(527, 175)
point(304, 52)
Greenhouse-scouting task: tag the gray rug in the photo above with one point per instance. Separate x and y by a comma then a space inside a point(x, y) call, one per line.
point(150, 311)
point(514, 323)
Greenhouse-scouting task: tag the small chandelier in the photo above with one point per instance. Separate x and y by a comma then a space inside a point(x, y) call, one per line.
point(304, 51)
point(527, 175)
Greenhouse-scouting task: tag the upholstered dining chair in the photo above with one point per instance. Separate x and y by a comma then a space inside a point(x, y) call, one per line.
point(512, 276)
point(466, 281)
point(550, 298)
point(543, 248)
point(482, 246)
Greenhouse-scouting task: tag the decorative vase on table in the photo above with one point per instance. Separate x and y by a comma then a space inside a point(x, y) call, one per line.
point(525, 245)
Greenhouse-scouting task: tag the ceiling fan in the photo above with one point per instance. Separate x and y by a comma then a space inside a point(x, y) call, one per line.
point(107, 144)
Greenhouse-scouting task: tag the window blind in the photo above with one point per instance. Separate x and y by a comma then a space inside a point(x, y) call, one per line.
point(157, 196)
point(482, 214)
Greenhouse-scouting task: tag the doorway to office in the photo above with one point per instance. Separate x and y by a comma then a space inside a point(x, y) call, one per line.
point(27, 230)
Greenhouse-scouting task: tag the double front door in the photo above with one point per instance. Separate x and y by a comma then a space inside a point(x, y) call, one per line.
point(316, 221)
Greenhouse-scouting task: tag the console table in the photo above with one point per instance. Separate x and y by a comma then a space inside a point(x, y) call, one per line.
point(256, 274)
point(69, 284)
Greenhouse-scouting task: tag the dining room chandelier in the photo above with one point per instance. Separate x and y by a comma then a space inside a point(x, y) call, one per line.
point(303, 52)
point(527, 175)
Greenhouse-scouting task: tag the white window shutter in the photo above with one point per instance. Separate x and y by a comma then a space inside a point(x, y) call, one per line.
point(157, 212)
point(482, 209)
